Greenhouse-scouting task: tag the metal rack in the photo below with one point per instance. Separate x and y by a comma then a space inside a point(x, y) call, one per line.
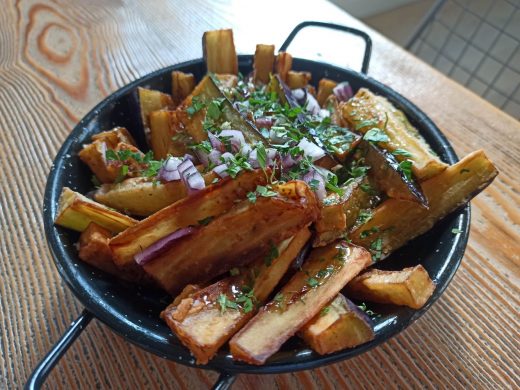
point(477, 43)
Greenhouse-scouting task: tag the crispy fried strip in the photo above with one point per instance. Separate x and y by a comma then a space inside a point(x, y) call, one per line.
point(395, 222)
point(231, 239)
point(302, 298)
point(200, 322)
point(212, 201)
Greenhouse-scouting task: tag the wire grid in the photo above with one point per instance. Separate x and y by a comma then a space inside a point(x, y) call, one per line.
point(477, 43)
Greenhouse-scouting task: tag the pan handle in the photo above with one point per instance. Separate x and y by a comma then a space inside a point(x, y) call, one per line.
point(224, 381)
point(359, 33)
point(46, 365)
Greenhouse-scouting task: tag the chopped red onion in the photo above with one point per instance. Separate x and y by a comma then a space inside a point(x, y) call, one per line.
point(191, 177)
point(221, 170)
point(226, 156)
point(264, 122)
point(289, 161)
point(300, 95)
point(246, 149)
point(189, 157)
point(235, 137)
point(317, 182)
point(311, 150)
point(312, 105)
point(324, 113)
point(343, 91)
point(214, 156)
point(103, 152)
point(253, 160)
point(277, 135)
point(161, 246)
point(169, 170)
point(203, 157)
point(271, 156)
point(215, 142)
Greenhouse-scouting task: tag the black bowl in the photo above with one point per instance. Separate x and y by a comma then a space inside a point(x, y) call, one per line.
point(134, 313)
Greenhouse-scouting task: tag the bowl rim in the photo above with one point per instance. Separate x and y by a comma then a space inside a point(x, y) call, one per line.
point(144, 338)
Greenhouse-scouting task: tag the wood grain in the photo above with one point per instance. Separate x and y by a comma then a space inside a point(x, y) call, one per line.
point(58, 59)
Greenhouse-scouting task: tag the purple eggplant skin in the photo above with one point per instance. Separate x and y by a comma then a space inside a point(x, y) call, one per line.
point(386, 173)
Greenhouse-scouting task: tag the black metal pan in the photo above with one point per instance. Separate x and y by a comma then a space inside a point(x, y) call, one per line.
point(133, 313)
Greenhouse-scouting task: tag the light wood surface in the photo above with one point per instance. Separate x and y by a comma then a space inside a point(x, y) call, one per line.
point(58, 59)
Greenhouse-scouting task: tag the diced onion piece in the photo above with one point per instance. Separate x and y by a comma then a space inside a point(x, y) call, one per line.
point(311, 150)
point(226, 156)
point(191, 177)
point(264, 122)
point(300, 95)
point(203, 157)
point(324, 113)
point(271, 156)
point(246, 149)
point(317, 183)
point(289, 161)
point(214, 156)
point(161, 246)
point(312, 105)
point(221, 170)
point(169, 170)
point(343, 91)
point(278, 135)
point(215, 142)
point(235, 137)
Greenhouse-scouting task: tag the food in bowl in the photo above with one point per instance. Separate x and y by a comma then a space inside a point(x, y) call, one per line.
point(259, 203)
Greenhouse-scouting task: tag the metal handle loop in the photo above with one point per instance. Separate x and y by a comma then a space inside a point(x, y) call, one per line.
point(359, 33)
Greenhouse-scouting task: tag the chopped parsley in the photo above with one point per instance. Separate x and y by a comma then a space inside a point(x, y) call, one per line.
point(196, 106)
point(234, 271)
point(312, 282)
point(406, 167)
point(369, 232)
point(402, 152)
point(376, 248)
point(364, 216)
point(205, 221)
point(278, 297)
point(251, 196)
point(376, 135)
point(456, 231)
point(271, 255)
point(366, 123)
point(226, 303)
point(324, 311)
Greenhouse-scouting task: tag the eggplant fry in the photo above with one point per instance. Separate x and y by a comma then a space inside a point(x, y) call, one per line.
point(230, 240)
point(410, 287)
point(325, 89)
point(182, 85)
point(395, 222)
point(210, 202)
point(323, 275)
point(339, 325)
point(367, 111)
point(142, 197)
point(76, 212)
point(263, 64)
point(219, 51)
point(283, 65)
point(203, 322)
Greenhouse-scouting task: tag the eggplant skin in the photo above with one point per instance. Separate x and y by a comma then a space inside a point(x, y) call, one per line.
point(384, 169)
point(233, 239)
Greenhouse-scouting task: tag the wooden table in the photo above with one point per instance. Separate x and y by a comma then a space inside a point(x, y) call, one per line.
point(58, 60)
